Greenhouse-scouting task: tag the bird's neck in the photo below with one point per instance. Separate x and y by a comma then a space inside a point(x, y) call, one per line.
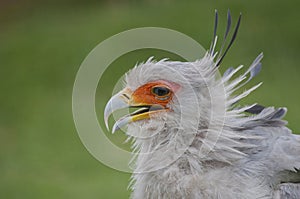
point(169, 157)
point(175, 149)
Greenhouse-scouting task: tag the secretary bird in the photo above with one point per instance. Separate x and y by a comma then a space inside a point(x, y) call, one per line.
point(192, 139)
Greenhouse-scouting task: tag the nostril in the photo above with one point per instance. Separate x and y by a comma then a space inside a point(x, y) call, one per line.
point(126, 96)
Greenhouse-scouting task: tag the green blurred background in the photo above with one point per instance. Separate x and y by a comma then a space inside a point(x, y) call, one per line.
point(42, 44)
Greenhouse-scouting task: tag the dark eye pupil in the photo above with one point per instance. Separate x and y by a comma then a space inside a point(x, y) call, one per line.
point(161, 91)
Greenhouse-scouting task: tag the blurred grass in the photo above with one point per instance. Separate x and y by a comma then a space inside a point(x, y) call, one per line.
point(41, 49)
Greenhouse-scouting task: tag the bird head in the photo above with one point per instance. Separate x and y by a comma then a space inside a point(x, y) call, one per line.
point(165, 93)
point(185, 105)
point(174, 105)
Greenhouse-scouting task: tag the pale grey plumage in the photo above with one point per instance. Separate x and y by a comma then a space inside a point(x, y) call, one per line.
point(216, 149)
point(253, 155)
point(288, 191)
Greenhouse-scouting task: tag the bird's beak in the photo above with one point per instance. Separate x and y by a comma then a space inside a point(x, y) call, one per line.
point(125, 99)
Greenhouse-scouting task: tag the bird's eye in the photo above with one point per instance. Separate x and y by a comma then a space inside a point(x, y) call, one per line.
point(160, 91)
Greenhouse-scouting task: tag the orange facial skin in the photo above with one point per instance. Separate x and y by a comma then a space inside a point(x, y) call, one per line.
point(144, 96)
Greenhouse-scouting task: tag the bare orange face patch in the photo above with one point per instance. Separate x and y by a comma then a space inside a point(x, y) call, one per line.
point(155, 93)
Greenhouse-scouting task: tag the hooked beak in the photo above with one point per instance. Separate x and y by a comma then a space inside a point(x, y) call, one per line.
point(124, 99)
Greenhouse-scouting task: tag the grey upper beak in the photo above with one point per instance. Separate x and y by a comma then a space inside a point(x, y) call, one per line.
point(118, 101)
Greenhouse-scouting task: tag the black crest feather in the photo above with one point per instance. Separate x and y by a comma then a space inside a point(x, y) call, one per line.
point(228, 27)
